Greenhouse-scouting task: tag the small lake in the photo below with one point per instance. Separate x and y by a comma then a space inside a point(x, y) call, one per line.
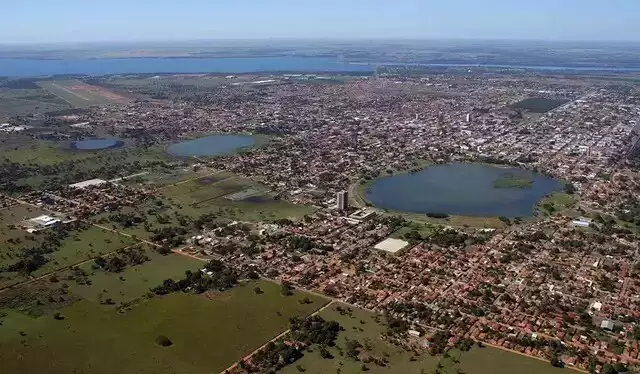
point(213, 145)
point(461, 189)
point(96, 144)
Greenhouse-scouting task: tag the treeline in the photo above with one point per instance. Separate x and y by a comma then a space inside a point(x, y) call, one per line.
point(123, 258)
point(31, 259)
point(218, 277)
point(304, 332)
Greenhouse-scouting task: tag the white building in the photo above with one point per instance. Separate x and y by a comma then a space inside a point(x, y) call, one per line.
point(342, 200)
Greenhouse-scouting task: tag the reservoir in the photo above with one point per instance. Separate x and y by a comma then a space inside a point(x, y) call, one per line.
point(106, 66)
point(463, 189)
point(96, 144)
point(213, 145)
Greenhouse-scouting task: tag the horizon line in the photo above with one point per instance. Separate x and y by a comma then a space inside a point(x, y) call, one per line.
point(315, 39)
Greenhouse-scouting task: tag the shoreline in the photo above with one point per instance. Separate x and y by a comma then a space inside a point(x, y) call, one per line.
point(358, 189)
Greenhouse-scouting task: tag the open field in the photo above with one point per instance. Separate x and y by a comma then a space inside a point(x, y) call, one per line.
point(207, 335)
point(80, 94)
point(25, 102)
point(25, 151)
point(83, 245)
point(557, 202)
point(362, 326)
point(131, 283)
point(208, 195)
point(78, 246)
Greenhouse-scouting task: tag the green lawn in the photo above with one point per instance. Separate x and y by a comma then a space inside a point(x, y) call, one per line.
point(207, 335)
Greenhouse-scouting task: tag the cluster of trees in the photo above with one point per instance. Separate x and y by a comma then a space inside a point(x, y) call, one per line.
point(126, 219)
point(314, 330)
point(272, 358)
point(629, 211)
point(220, 278)
point(448, 238)
point(31, 259)
point(123, 258)
point(439, 342)
point(438, 215)
point(305, 244)
point(173, 236)
point(276, 355)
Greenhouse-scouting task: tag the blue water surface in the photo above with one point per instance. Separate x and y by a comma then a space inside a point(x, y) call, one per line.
point(95, 144)
point(212, 145)
point(35, 68)
point(461, 189)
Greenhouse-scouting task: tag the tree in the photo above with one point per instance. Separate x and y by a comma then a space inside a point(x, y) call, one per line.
point(324, 353)
point(286, 289)
point(163, 341)
point(569, 188)
point(258, 291)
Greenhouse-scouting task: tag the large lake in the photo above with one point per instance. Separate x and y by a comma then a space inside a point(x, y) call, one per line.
point(212, 145)
point(34, 68)
point(461, 189)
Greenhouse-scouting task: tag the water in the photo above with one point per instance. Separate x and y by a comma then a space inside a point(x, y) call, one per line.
point(212, 145)
point(96, 144)
point(461, 189)
point(96, 67)
point(603, 68)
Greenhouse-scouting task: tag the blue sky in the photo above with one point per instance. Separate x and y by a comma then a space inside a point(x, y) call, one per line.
point(132, 20)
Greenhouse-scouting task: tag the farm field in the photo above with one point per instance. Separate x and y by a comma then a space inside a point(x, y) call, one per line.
point(362, 326)
point(207, 335)
point(80, 94)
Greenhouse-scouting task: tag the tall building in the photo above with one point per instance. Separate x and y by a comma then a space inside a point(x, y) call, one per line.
point(342, 199)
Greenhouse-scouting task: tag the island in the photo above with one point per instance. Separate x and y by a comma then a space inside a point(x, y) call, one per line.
point(510, 180)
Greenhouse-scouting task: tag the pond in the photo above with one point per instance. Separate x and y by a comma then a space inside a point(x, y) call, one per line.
point(212, 145)
point(96, 144)
point(463, 189)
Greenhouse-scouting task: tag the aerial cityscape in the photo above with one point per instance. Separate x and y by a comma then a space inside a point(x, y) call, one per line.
point(321, 206)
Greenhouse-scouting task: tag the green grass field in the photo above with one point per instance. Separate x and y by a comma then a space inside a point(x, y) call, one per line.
point(14, 239)
point(207, 335)
point(80, 94)
point(476, 361)
point(134, 281)
point(24, 102)
point(207, 195)
point(557, 202)
point(84, 245)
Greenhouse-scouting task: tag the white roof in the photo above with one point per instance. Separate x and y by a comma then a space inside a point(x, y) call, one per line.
point(90, 182)
point(44, 220)
point(391, 245)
